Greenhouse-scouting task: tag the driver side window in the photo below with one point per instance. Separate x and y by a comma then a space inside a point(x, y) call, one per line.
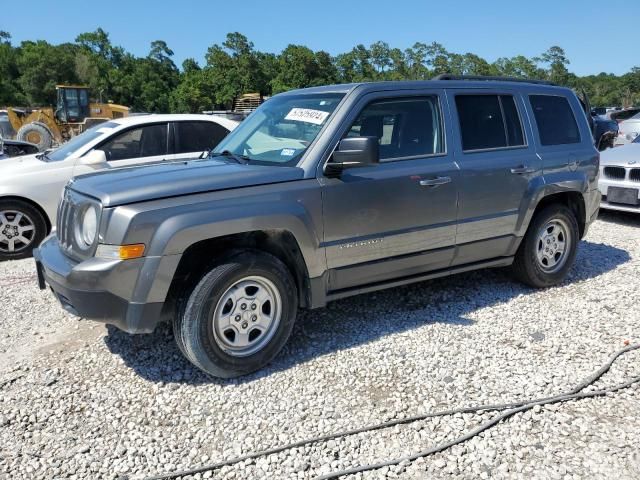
point(147, 141)
point(405, 127)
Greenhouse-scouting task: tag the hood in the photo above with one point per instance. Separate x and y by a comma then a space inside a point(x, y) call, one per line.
point(22, 162)
point(25, 164)
point(168, 179)
point(624, 156)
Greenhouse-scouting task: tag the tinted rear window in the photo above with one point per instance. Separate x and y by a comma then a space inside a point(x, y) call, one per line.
point(489, 121)
point(198, 136)
point(554, 117)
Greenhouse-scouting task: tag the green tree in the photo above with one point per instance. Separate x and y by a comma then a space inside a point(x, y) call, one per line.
point(557, 62)
point(98, 64)
point(519, 67)
point(146, 84)
point(9, 90)
point(416, 61)
point(235, 69)
point(438, 58)
point(355, 66)
point(300, 67)
point(42, 66)
point(380, 55)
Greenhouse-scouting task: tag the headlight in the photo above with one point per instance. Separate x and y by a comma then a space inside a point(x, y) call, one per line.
point(87, 228)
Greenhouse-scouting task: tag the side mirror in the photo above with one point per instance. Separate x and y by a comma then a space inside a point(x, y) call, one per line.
point(94, 157)
point(353, 152)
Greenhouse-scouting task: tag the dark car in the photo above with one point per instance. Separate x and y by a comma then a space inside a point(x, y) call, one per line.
point(15, 148)
point(605, 131)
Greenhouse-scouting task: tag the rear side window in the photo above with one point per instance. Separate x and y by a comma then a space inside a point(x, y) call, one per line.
point(489, 121)
point(554, 117)
point(198, 136)
point(405, 127)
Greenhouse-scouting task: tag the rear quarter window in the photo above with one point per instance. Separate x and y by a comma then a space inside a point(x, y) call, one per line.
point(555, 120)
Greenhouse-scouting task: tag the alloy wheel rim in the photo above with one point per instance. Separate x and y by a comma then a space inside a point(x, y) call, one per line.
point(17, 231)
point(553, 245)
point(247, 316)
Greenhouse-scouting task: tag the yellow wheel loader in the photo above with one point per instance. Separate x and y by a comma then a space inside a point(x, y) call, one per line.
point(73, 115)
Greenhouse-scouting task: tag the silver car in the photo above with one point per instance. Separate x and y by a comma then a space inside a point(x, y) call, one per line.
point(620, 177)
point(628, 130)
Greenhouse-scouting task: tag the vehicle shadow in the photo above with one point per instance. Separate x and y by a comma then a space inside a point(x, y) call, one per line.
point(620, 218)
point(359, 320)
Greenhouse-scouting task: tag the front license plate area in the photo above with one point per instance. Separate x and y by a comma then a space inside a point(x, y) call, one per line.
point(627, 196)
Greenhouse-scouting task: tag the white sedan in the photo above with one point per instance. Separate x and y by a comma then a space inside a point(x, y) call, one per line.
point(31, 185)
point(619, 181)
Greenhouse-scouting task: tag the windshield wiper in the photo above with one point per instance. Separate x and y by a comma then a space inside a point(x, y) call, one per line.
point(43, 155)
point(241, 159)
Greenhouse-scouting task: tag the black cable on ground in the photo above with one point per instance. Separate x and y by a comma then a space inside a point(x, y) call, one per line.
point(511, 409)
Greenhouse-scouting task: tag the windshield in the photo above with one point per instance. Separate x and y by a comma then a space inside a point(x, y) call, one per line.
point(281, 129)
point(80, 141)
point(637, 139)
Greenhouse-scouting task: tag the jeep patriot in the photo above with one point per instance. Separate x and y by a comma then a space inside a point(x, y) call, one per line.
point(323, 193)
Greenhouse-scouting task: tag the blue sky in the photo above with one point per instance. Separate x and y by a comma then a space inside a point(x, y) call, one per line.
point(591, 32)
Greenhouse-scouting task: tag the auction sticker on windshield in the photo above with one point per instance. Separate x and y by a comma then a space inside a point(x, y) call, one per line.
point(307, 115)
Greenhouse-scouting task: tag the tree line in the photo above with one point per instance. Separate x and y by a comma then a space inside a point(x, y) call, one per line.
point(29, 71)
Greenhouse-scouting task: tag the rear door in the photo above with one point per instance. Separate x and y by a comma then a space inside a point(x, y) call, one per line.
point(396, 218)
point(193, 138)
point(498, 162)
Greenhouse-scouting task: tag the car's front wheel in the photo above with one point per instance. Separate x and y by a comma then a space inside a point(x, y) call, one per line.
point(22, 228)
point(239, 316)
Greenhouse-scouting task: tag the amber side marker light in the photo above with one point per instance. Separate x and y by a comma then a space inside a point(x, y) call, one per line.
point(120, 252)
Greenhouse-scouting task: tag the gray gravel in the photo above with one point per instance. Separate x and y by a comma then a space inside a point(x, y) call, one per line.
point(83, 402)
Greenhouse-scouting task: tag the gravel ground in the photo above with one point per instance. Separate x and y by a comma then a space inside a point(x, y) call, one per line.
point(82, 401)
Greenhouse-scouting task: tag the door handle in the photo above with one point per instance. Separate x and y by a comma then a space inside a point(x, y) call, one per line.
point(434, 182)
point(522, 170)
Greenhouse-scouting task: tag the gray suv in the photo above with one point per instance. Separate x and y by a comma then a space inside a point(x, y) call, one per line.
point(321, 194)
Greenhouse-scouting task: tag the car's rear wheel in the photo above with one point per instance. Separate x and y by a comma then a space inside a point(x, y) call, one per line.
point(549, 247)
point(22, 228)
point(239, 316)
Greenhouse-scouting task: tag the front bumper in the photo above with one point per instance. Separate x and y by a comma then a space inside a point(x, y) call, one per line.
point(96, 289)
point(604, 184)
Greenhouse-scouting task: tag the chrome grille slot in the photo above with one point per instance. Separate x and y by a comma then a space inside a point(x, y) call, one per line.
point(615, 173)
point(634, 176)
point(63, 213)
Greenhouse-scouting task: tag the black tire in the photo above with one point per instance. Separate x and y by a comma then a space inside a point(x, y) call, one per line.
point(194, 331)
point(37, 134)
point(8, 211)
point(526, 266)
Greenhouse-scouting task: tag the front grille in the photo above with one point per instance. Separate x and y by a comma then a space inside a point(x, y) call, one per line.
point(614, 173)
point(634, 176)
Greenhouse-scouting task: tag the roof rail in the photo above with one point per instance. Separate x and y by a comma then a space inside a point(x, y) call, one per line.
point(449, 76)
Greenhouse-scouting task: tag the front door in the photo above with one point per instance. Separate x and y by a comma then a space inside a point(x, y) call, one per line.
point(135, 146)
point(396, 218)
